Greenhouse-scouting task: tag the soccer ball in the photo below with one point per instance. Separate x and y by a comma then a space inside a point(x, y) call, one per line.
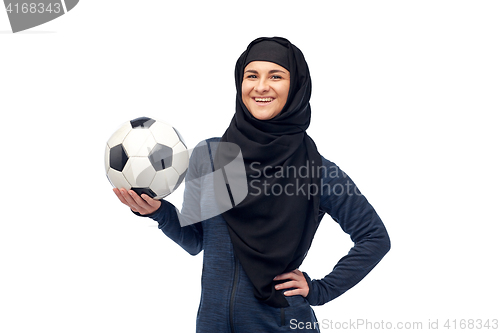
point(147, 156)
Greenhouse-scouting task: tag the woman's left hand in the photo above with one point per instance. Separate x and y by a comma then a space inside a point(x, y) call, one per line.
point(298, 281)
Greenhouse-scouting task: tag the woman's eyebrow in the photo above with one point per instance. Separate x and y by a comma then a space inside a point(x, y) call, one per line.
point(272, 71)
point(276, 71)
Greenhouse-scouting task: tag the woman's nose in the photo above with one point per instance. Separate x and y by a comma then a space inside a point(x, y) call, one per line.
point(261, 86)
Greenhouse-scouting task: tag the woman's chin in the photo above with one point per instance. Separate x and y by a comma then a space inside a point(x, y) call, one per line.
point(264, 115)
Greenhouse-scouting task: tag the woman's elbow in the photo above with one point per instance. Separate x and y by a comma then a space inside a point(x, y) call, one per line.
point(385, 244)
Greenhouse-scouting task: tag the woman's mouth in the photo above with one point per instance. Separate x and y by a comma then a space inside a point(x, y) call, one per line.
point(263, 100)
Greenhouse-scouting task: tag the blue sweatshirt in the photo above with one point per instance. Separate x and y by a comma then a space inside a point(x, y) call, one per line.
point(227, 302)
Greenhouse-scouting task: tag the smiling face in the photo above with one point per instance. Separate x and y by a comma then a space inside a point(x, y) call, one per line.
point(265, 88)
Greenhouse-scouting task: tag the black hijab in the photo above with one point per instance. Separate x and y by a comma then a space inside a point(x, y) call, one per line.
point(273, 227)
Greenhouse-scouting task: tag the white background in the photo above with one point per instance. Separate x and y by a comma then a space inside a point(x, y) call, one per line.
point(405, 100)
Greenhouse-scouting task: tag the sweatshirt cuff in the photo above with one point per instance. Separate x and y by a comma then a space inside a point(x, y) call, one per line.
point(312, 296)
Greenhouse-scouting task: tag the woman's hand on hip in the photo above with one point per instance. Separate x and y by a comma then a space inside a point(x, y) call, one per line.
point(298, 282)
point(140, 204)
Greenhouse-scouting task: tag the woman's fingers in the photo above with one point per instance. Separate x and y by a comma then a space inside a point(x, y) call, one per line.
point(142, 206)
point(121, 193)
point(147, 204)
point(153, 203)
point(287, 285)
point(293, 275)
point(139, 204)
point(297, 281)
point(138, 200)
point(297, 291)
point(124, 196)
point(128, 198)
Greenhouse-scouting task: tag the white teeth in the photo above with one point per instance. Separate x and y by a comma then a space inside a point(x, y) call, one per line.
point(263, 99)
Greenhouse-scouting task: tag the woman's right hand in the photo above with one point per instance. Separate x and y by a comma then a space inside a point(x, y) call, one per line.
point(143, 204)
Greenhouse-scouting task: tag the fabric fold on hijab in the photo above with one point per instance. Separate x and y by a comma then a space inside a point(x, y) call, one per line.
point(271, 232)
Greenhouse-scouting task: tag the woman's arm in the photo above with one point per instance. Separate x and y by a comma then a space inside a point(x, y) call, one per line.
point(190, 238)
point(183, 228)
point(345, 204)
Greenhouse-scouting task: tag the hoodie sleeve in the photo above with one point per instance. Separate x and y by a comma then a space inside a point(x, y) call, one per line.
point(184, 228)
point(341, 199)
point(190, 237)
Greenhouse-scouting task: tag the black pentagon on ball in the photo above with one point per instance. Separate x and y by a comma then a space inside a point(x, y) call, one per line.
point(144, 190)
point(161, 157)
point(117, 157)
point(142, 122)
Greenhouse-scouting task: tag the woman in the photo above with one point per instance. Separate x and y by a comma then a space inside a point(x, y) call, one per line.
point(252, 252)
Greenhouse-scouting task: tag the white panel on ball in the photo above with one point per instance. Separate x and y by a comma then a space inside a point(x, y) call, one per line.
point(139, 142)
point(119, 135)
point(117, 179)
point(180, 158)
point(164, 182)
point(164, 134)
point(139, 172)
point(106, 158)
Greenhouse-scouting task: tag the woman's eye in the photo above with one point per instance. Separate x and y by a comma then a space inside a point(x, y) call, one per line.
point(276, 77)
point(251, 76)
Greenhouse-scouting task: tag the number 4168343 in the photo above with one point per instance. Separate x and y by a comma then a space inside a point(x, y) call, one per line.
point(33, 8)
